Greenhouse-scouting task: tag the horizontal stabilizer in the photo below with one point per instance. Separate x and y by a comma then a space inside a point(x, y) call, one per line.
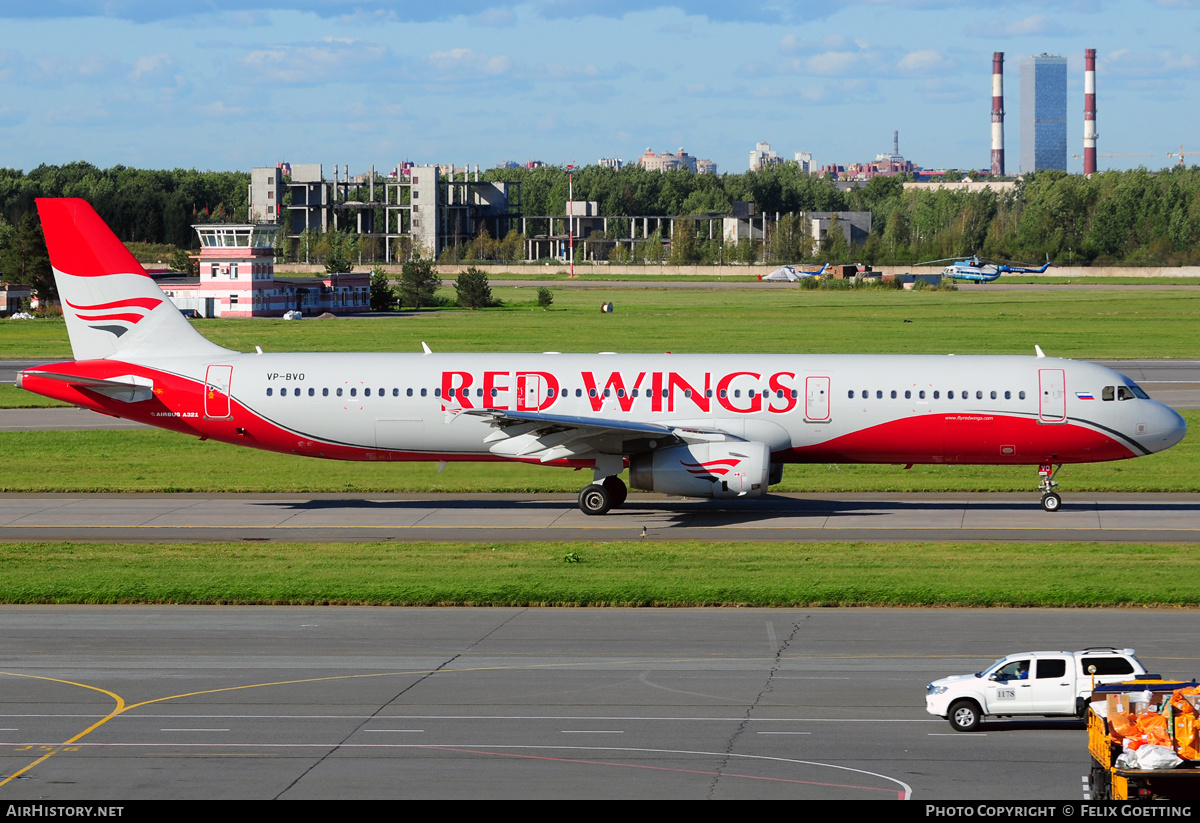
point(127, 388)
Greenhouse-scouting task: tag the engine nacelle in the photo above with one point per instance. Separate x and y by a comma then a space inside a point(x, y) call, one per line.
point(727, 469)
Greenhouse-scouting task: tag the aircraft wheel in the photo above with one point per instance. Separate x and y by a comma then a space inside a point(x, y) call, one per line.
point(617, 491)
point(595, 500)
point(1051, 502)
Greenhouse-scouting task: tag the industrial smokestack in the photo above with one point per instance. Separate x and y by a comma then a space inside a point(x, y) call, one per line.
point(1089, 111)
point(998, 114)
point(896, 142)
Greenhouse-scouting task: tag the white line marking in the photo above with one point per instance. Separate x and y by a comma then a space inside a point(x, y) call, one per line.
point(783, 732)
point(592, 731)
point(397, 731)
point(193, 730)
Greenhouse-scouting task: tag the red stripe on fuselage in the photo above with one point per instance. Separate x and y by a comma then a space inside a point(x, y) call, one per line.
point(978, 439)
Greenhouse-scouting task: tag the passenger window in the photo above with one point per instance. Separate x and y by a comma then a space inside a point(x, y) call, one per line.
point(436, 392)
point(726, 394)
point(409, 393)
point(493, 392)
point(921, 394)
point(423, 392)
point(354, 392)
point(993, 395)
point(1008, 395)
point(949, 395)
point(1107, 665)
point(978, 395)
point(1021, 395)
point(936, 395)
point(850, 394)
point(269, 392)
point(396, 392)
point(339, 392)
point(324, 392)
point(312, 392)
point(1051, 668)
point(907, 394)
point(591, 392)
point(893, 394)
point(367, 392)
point(878, 394)
point(1108, 393)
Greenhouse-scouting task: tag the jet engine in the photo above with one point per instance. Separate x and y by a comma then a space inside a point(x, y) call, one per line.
point(726, 469)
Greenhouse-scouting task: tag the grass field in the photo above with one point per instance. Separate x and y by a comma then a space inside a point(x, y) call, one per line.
point(1078, 324)
point(1086, 325)
point(604, 574)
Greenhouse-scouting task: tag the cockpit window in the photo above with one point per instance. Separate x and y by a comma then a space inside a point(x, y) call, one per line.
point(1124, 393)
point(1138, 391)
point(1108, 393)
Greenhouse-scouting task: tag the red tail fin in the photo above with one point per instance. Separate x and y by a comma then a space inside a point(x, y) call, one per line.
point(80, 243)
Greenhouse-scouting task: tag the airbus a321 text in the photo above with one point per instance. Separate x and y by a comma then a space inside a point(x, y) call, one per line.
point(711, 425)
point(976, 270)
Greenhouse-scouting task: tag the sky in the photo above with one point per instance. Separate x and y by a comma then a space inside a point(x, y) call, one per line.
point(233, 84)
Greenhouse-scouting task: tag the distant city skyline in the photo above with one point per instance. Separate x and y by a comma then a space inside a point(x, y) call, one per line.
point(360, 82)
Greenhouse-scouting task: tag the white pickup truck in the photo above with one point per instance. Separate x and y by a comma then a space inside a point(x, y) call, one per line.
point(1031, 683)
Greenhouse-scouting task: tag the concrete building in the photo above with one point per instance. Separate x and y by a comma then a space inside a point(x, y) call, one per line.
point(762, 156)
point(666, 161)
point(804, 161)
point(1043, 113)
point(237, 279)
point(614, 163)
point(266, 191)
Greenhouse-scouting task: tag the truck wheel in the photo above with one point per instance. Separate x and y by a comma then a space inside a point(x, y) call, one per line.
point(964, 716)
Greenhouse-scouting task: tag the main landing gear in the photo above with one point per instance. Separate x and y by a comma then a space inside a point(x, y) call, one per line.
point(598, 498)
point(1051, 502)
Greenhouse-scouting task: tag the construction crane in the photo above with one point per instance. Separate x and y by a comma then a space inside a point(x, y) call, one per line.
point(1181, 154)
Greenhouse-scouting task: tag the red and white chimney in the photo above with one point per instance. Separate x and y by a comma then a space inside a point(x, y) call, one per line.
point(1089, 111)
point(998, 114)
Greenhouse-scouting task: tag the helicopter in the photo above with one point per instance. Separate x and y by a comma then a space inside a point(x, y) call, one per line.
point(977, 270)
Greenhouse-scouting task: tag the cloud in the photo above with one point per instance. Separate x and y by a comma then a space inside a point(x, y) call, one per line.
point(150, 11)
point(1037, 25)
point(93, 66)
point(924, 63)
point(313, 63)
point(462, 63)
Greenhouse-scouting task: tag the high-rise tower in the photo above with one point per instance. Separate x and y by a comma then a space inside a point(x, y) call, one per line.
point(1043, 113)
point(998, 114)
point(1089, 111)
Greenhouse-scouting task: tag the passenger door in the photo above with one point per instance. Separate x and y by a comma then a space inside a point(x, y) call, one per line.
point(1053, 685)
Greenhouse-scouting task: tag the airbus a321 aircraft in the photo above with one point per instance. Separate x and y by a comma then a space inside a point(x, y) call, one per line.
point(701, 425)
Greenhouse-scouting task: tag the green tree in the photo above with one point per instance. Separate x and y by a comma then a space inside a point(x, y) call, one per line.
point(473, 290)
point(25, 259)
point(382, 296)
point(419, 283)
point(790, 243)
point(544, 297)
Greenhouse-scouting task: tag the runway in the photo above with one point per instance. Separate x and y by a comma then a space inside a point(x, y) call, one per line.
point(319, 518)
point(124, 703)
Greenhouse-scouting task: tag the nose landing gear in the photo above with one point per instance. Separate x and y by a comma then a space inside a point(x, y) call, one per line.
point(1051, 501)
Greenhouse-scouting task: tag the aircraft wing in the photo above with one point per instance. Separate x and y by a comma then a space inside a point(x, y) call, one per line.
point(549, 437)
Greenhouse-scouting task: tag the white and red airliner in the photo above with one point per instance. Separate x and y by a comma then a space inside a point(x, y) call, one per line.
point(711, 425)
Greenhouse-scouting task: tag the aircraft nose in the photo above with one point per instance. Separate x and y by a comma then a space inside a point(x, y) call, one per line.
point(1171, 427)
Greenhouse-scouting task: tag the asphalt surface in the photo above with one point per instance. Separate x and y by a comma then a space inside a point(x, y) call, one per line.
point(321, 518)
point(118, 703)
